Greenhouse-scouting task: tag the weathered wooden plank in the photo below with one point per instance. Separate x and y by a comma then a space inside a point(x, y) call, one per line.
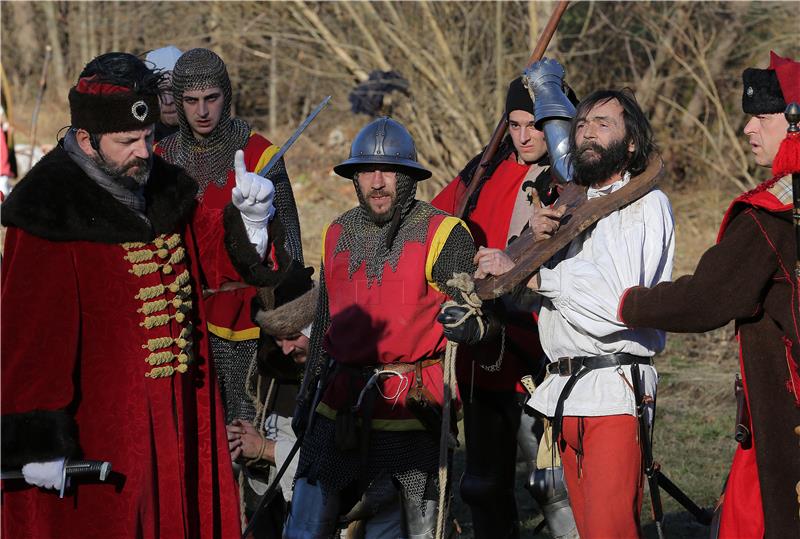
point(528, 256)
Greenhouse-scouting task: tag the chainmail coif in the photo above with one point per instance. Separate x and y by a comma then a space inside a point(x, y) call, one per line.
point(374, 244)
point(208, 159)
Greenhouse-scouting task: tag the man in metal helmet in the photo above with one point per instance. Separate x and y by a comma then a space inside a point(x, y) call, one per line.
point(372, 447)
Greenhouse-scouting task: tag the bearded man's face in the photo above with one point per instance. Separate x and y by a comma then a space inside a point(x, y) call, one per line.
point(377, 188)
point(601, 148)
point(127, 154)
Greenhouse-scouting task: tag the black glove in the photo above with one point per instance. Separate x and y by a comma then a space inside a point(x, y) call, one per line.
point(469, 331)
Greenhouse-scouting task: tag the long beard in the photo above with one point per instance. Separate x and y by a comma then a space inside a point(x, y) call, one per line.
point(120, 173)
point(591, 170)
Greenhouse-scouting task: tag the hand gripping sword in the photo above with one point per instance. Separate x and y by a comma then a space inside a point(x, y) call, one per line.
point(72, 468)
point(299, 131)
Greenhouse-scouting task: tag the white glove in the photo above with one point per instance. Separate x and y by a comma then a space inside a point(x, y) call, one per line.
point(252, 195)
point(48, 474)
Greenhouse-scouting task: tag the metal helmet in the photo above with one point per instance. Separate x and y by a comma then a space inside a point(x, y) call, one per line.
point(383, 142)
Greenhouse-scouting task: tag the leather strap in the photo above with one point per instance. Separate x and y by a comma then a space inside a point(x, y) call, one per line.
point(401, 368)
point(578, 367)
point(567, 366)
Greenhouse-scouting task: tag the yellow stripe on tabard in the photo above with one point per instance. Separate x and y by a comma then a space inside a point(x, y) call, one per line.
point(232, 335)
point(439, 239)
point(266, 156)
point(324, 235)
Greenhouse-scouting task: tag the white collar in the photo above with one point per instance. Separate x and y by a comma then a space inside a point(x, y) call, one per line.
point(608, 189)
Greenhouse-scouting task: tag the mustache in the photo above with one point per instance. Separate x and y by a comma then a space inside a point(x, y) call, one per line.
point(380, 193)
point(586, 146)
point(138, 162)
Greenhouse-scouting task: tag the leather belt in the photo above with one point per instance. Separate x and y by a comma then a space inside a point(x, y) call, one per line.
point(401, 368)
point(567, 366)
point(578, 367)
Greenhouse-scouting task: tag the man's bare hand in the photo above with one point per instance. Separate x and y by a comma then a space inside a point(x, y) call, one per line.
point(245, 441)
point(544, 222)
point(491, 262)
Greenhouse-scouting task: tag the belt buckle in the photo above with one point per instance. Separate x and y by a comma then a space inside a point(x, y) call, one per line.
point(564, 366)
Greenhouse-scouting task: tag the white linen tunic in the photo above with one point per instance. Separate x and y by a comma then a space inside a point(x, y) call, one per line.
point(580, 297)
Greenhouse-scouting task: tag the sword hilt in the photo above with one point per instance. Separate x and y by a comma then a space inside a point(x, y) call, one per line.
point(73, 468)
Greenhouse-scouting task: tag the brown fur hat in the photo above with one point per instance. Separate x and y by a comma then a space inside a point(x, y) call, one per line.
point(289, 318)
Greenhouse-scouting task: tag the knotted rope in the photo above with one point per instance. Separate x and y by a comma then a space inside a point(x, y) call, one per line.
point(463, 283)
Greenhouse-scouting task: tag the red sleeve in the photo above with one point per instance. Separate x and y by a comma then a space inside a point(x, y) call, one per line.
point(40, 323)
point(446, 199)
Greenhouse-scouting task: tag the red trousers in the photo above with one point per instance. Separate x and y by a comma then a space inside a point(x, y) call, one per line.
point(603, 471)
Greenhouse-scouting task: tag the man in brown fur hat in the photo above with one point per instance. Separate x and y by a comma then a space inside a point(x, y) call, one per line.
point(263, 445)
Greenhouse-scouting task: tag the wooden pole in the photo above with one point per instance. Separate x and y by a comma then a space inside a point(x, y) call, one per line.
point(500, 130)
point(48, 55)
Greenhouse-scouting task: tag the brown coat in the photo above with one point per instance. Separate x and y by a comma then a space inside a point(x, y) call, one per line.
point(747, 277)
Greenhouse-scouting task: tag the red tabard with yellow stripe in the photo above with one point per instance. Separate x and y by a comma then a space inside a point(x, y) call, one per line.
point(229, 310)
point(381, 323)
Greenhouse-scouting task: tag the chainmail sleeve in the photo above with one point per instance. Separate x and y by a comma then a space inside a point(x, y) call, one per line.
point(322, 321)
point(286, 209)
point(316, 359)
point(456, 257)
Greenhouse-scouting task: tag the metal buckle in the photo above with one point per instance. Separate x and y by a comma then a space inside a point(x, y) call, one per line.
point(564, 366)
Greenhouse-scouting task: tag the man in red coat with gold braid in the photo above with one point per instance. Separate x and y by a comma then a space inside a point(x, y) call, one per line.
point(748, 277)
point(104, 347)
point(386, 264)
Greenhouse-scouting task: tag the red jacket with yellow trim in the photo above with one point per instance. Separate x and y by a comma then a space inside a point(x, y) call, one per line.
point(381, 323)
point(229, 308)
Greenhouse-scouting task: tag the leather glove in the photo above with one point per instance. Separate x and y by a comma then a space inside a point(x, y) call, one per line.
point(469, 331)
point(48, 474)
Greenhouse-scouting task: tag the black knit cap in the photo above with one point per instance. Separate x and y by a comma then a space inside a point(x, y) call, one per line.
point(761, 92)
point(115, 92)
point(518, 97)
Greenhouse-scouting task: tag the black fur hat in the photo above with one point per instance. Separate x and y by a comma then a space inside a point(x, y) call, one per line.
point(762, 92)
point(116, 92)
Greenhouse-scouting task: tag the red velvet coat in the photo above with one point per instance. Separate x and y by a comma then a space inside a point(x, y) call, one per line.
point(105, 356)
point(747, 277)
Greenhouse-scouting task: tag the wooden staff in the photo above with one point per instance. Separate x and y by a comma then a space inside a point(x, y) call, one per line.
point(500, 130)
point(48, 55)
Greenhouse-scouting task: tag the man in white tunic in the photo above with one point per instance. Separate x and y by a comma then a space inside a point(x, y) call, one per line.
point(588, 391)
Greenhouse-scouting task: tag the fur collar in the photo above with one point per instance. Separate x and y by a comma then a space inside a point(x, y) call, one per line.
point(57, 201)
